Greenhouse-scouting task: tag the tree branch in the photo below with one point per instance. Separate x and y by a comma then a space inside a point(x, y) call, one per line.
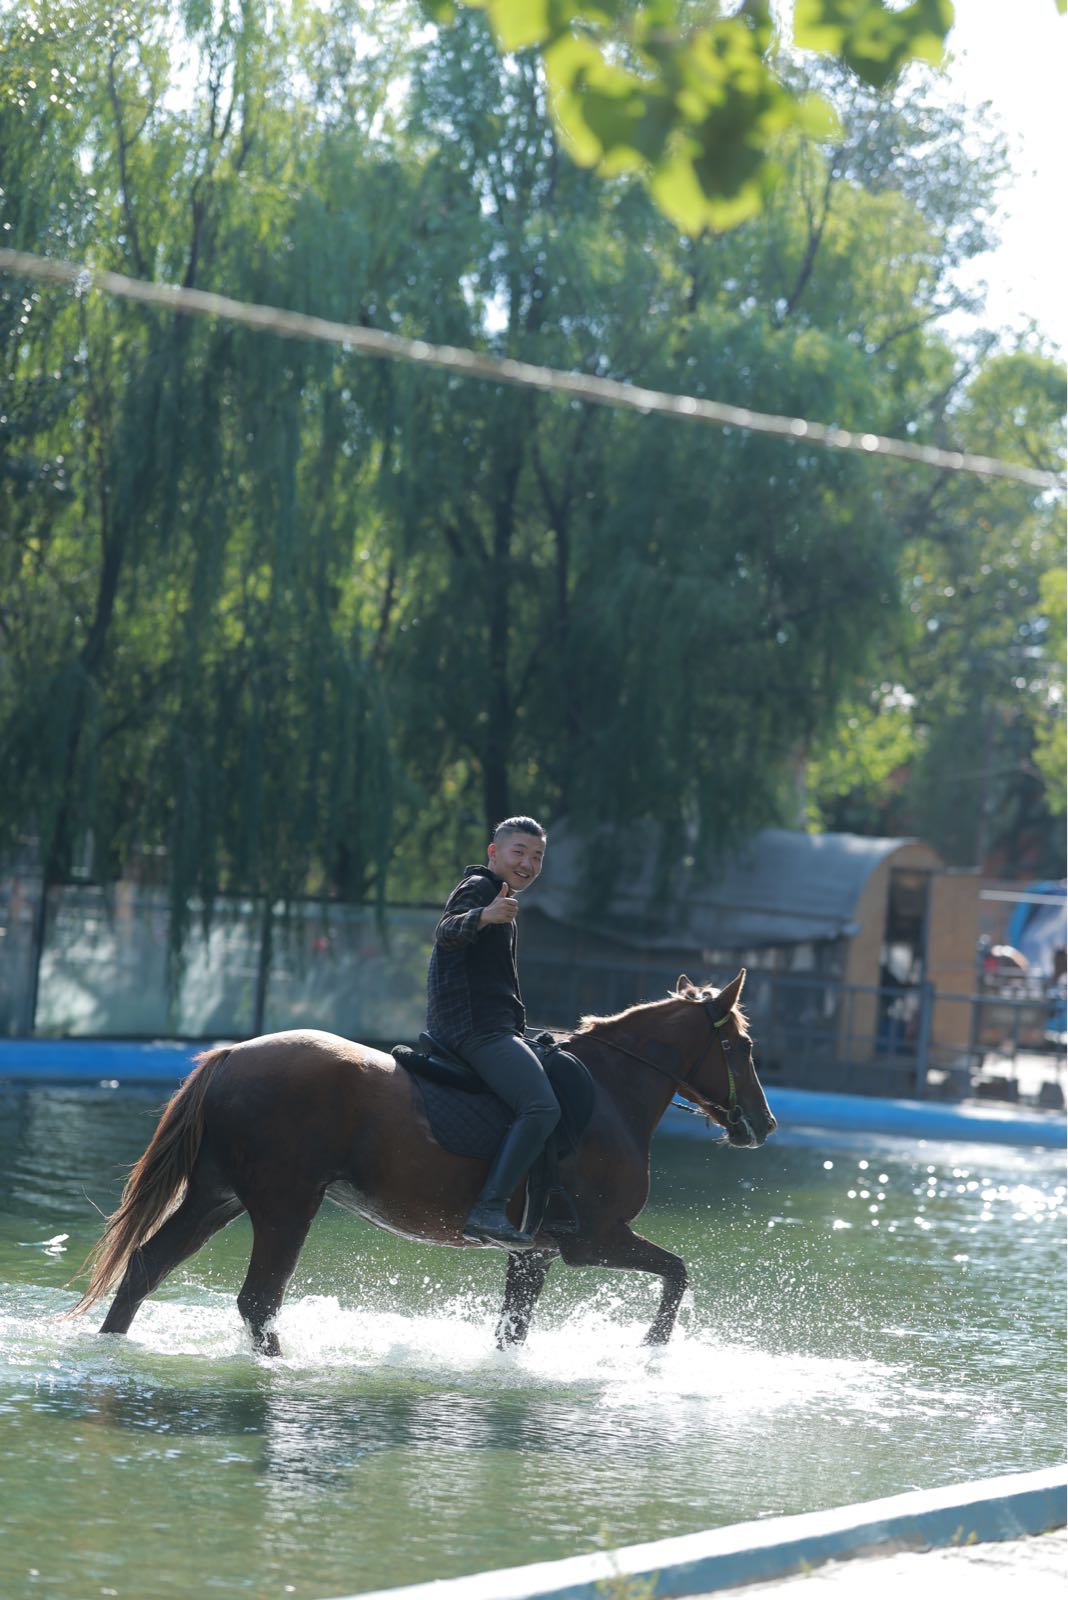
point(815, 239)
point(124, 180)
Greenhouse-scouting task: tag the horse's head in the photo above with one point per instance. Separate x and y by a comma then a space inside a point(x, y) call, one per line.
point(724, 1080)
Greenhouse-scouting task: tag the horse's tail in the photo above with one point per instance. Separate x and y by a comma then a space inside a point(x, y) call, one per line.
point(156, 1184)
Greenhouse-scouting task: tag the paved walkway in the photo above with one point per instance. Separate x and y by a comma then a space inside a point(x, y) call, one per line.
point(1035, 1569)
point(904, 1540)
point(1033, 1073)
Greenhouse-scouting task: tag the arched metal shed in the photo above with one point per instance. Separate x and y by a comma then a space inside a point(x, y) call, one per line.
point(861, 951)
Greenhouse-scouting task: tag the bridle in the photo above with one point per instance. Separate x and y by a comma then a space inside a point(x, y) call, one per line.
point(732, 1111)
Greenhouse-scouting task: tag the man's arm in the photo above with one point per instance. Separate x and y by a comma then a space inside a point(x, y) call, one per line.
point(462, 918)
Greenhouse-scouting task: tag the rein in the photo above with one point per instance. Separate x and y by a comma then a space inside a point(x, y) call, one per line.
point(732, 1110)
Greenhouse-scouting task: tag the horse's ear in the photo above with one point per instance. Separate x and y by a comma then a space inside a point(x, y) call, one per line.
point(684, 987)
point(728, 998)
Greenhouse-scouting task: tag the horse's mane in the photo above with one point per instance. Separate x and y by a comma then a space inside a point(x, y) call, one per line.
point(592, 1024)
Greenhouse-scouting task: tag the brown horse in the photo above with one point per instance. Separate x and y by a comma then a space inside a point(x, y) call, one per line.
point(272, 1125)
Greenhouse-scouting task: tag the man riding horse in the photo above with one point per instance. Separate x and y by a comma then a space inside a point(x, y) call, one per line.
point(274, 1125)
point(474, 1007)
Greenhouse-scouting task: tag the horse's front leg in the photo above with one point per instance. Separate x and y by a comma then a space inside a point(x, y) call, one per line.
point(523, 1285)
point(627, 1251)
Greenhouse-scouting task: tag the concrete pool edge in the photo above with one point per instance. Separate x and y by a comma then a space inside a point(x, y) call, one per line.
point(992, 1509)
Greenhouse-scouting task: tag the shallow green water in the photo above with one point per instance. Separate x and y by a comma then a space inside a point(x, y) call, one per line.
point(865, 1318)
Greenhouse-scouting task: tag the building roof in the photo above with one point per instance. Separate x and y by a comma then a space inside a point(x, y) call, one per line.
point(782, 887)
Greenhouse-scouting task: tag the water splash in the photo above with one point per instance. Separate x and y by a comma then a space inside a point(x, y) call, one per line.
point(593, 1357)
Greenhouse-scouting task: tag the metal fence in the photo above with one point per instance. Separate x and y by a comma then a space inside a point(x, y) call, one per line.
point(813, 1030)
point(105, 968)
point(104, 972)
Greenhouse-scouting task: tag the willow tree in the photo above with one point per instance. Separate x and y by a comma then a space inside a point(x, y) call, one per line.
point(980, 679)
point(190, 665)
point(290, 622)
point(615, 616)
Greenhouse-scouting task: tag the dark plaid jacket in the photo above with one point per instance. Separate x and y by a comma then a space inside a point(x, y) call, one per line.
point(473, 983)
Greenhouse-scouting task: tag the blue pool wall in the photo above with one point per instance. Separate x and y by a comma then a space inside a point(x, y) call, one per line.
point(116, 1062)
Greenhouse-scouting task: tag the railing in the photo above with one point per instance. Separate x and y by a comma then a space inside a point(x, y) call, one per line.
point(104, 973)
point(105, 969)
point(813, 1030)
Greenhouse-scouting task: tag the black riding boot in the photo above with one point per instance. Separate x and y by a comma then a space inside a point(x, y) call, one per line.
point(488, 1222)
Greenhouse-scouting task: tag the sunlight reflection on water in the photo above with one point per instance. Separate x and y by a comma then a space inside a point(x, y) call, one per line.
point(862, 1319)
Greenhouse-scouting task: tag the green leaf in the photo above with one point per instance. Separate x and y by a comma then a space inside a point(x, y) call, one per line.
point(442, 12)
point(873, 40)
point(520, 23)
point(701, 129)
point(817, 119)
point(600, 108)
point(683, 191)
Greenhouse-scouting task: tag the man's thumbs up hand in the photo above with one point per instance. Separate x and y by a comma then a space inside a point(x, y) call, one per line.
point(504, 908)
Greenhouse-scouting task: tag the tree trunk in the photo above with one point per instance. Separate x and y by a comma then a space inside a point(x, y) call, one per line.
point(40, 919)
point(497, 746)
point(263, 964)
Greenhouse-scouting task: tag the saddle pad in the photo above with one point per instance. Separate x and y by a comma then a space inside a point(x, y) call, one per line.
point(474, 1124)
point(466, 1124)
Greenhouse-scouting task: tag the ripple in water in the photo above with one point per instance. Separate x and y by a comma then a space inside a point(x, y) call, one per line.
point(860, 1322)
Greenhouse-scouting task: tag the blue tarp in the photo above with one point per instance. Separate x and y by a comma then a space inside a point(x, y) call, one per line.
point(1037, 930)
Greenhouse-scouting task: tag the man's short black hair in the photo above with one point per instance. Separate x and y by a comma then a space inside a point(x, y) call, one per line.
point(519, 825)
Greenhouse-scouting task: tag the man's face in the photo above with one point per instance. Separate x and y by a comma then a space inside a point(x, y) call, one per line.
point(517, 858)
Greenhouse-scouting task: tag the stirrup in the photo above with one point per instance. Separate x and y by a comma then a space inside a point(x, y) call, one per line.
point(492, 1227)
point(561, 1215)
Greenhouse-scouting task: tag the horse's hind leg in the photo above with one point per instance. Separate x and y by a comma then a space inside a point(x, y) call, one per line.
point(523, 1285)
point(278, 1236)
point(205, 1209)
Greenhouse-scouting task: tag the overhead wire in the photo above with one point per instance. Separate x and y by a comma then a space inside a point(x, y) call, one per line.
point(463, 362)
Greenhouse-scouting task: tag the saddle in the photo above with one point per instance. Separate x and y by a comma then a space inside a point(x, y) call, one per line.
point(468, 1119)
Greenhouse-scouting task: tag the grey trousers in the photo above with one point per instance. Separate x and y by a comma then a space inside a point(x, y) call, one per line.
point(508, 1066)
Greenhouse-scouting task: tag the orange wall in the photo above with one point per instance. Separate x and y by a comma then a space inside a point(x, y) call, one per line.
point(952, 932)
